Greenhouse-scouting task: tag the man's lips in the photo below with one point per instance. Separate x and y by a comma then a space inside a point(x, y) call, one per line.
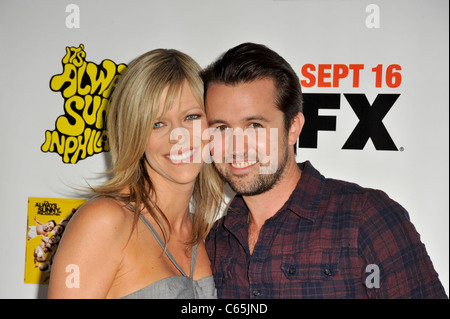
point(242, 165)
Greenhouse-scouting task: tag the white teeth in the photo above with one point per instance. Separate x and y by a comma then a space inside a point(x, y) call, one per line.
point(242, 165)
point(181, 157)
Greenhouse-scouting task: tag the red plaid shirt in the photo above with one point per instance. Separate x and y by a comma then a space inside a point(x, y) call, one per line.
point(331, 239)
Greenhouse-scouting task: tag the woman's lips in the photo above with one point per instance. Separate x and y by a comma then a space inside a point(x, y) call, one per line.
point(181, 158)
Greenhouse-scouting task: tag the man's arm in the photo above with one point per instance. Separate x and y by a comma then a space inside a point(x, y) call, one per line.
point(389, 240)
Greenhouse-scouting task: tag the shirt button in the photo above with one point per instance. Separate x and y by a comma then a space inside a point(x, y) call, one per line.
point(328, 272)
point(292, 270)
point(256, 292)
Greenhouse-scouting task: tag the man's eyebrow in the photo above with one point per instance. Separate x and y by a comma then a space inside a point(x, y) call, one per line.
point(252, 118)
point(215, 121)
point(256, 118)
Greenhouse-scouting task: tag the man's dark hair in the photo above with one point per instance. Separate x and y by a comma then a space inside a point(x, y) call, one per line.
point(248, 62)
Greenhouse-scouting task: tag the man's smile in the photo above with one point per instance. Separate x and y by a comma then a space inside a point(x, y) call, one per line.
point(243, 164)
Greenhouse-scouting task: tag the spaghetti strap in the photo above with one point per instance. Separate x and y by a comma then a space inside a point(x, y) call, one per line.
point(180, 287)
point(161, 243)
point(193, 260)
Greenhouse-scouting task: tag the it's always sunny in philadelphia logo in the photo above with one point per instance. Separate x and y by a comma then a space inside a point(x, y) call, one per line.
point(86, 87)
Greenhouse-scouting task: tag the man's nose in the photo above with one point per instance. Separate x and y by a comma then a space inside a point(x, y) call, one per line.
point(235, 145)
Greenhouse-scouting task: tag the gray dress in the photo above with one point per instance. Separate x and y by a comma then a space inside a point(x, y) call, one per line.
point(177, 287)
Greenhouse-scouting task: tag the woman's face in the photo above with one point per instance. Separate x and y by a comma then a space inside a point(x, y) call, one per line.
point(174, 148)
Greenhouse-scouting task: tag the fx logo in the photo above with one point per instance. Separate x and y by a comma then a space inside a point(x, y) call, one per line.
point(370, 117)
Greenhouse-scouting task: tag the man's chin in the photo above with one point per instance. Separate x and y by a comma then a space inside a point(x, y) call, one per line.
point(248, 186)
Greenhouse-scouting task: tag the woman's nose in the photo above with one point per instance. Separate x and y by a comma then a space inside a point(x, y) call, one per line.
point(179, 135)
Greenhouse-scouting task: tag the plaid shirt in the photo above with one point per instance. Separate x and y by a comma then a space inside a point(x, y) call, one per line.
point(331, 239)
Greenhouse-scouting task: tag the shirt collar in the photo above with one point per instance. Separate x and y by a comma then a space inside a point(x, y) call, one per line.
point(304, 200)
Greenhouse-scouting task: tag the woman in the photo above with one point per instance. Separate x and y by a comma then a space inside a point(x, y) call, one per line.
point(137, 238)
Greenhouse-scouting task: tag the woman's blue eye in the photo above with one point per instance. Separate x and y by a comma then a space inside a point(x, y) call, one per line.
point(157, 125)
point(192, 117)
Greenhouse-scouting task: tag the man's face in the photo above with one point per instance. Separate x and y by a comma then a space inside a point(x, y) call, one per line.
point(247, 107)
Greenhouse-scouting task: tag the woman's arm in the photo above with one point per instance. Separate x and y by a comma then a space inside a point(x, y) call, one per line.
point(90, 252)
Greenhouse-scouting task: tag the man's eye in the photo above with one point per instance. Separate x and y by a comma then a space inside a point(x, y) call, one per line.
point(255, 125)
point(221, 128)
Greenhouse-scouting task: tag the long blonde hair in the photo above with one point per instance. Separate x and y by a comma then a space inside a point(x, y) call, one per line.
point(133, 109)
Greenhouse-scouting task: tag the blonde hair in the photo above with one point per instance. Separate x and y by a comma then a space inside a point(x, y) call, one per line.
point(134, 106)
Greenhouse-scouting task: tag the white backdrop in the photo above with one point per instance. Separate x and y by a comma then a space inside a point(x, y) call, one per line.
point(411, 34)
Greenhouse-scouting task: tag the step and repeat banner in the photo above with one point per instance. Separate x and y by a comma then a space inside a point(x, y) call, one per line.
point(375, 77)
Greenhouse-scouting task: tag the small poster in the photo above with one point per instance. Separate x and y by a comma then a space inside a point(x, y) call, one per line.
point(46, 222)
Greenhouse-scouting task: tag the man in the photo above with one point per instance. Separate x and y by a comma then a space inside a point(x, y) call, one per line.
point(294, 233)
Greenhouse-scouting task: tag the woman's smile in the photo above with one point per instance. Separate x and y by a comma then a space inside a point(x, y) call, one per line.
point(183, 157)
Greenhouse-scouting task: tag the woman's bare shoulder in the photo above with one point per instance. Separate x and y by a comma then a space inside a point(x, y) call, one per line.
point(103, 215)
point(105, 208)
point(94, 241)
